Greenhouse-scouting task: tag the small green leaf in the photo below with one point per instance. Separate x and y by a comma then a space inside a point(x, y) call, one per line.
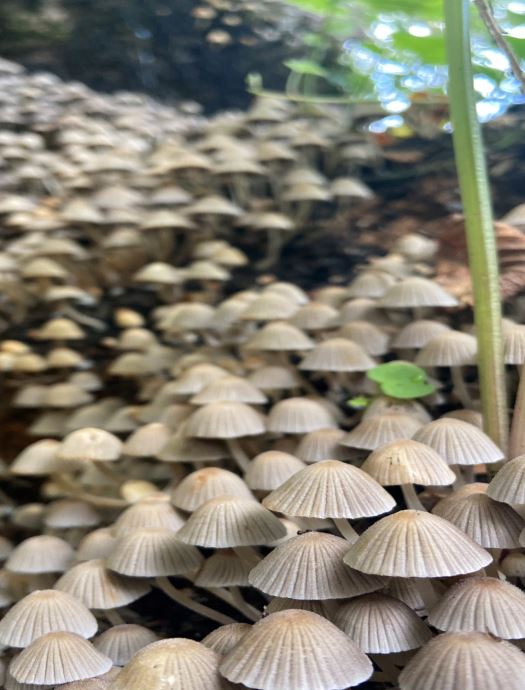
point(401, 380)
point(306, 67)
point(359, 402)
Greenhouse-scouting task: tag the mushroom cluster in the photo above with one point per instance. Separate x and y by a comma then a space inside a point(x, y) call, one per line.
point(196, 448)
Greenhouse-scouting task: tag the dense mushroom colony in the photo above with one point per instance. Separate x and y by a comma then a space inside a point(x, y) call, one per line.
point(193, 445)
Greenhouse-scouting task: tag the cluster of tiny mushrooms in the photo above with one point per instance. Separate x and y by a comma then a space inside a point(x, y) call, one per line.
point(328, 545)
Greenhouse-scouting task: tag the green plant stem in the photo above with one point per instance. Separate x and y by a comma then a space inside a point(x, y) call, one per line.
point(481, 243)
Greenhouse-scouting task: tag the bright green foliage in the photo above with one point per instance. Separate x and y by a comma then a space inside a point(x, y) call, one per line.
point(360, 402)
point(401, 380)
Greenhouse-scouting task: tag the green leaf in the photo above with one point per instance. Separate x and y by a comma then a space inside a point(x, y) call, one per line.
point(359, 402)
point(401, 380)
point(306, 67)
point(429, 49)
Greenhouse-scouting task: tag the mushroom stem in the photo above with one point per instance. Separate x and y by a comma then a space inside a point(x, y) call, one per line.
point(113, 617)
point(411, 498)
point(184, 600)
point(248, 554)
point(100, 501)
point(459, 387)
point(346, 530)
point(235, 600)
point(387, 666)
point(238, 454)
point(427, 592)
point(468, 474)
point(492, 569)
point(517, 428)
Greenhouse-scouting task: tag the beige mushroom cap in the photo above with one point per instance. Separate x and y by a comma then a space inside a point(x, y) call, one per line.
point(293, 650)
point(176, 663)
point(466, 660)
point(412, 543)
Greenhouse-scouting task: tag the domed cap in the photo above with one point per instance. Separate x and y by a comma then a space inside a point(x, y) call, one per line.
point(332, 489)
point(380, 624)
point(279, 336)
point(96, 544)
point(223, 639)
point(322, 444)
point(489, 523)
point(310, 566)
point(270, 469)
point(230, 521)
point(57, 658)
point(378, 430)
point(508, 485)
point(45, 611)
point(38, 459)
point(370, 338)
point(69, 513)
point(293, 650)
point(153, 553)
point(412, 543)
point(203, 485)
point(450, 349)
point(514, 345)
point(337, 354)
point(99, 588)
point(224, 568)
point(418, 333)
point(154, 511)
point(174, 664)
point(269, 307)
point(41, 554)
point(458, 442)
point(272, 378)
point(225, 420)
point(230, 388)
point(90, 444)
point(482, 604)
point(417, 292)
point(408, 462)
point(469, 661)
point(147, 440)
point(315, 316)
point(298, 416)
point(121, 642)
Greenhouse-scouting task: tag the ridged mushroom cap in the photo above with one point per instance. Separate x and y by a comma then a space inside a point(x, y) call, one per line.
point(418, 333)
point(412, 543)
point(182, 448)
point(380, 624)
point(337, 354)
point(197, 377)
point(225, 420)
point(325, 608)
point(449, 349)
point(293, 650)
point(408, 462)
point(330, 489)
point(97, 587)
point(90, 444)
point(468, 660)
point(37, 459)
point(56, 658)
point(508, 484)
point(513, 564)
point(417, 292)
point(203, 485)
point(273, 378)
point(299, 416)
point(269, 307)
point(279, 336)
point(310, 566)
point(231, 521)
point(223, 639)
point(96, 544)
point(376, 431)
point(147, 441)
point(172, 664)
point(230, 389)
point(121, 642)
point(270, 469)
point(314, 316)
point(369, 337)
point(45, 611)
point(489, 523)
point(41, 554)
point(69, 513)
point(322, 444)
point(481, 604)
point(223, 568)
point(153, 553)
point(154, 511)
point(458, 442)
point(514, 345)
